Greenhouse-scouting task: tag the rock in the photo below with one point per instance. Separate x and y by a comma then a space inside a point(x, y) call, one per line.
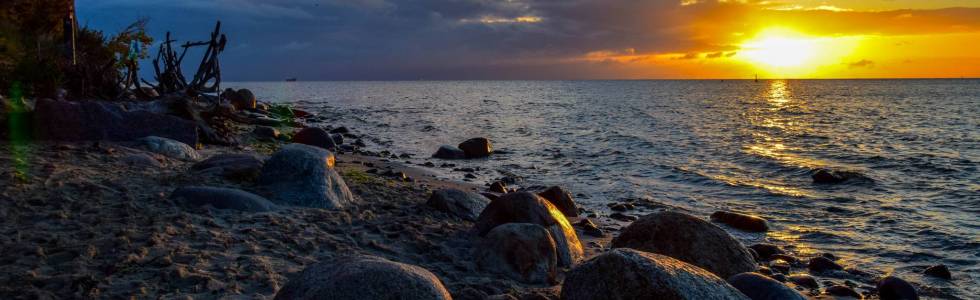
point(266, 132)
point(476, 147)
point(766, 251)
point(340, 130)
point(169, 148)
point(741, 221)
point(562, 199)
point(449, 152)
point(759, 287)
point(498, 187)
point(689, 239)
point(828, 176)
point(141, 160)
point(633, 274)
point(245, 100)
point(780, 266)
point(623, 217)
point(821, 264)
point(337, 138)
point(618, 207)
point(108, 121)
point(521, 251)
point(525, 207)
point(304, 176)
point(804, 280)
point(466, 205)
point(221, 198)
point(244, 167)
point(894, 288)
point(314, 136)
point(940, 271)
point(842, 291)
point(588, 227)
point(363, 277)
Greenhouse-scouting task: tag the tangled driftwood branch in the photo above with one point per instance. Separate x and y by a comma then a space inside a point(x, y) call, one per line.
point(169, 76)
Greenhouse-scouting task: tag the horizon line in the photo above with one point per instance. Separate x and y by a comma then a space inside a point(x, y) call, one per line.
point(625, 79)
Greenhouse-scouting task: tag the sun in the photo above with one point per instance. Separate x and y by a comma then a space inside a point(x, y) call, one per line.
point(779, 48)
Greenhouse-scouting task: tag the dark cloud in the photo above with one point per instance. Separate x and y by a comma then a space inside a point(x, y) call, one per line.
point(864, 63)
point(477, 39)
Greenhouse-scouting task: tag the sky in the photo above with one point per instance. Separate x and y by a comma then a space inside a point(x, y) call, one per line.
point(568, 39)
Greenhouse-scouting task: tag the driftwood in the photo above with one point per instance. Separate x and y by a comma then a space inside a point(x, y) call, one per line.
point(191, 99)
point(167, 66)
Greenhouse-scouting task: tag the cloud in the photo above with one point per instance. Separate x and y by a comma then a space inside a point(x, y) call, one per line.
point(864, 63)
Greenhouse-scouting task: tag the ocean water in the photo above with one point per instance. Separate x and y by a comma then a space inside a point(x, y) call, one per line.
point(716, 145)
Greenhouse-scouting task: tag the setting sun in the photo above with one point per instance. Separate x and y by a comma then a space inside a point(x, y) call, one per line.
point(785, 52)
point(779, 49)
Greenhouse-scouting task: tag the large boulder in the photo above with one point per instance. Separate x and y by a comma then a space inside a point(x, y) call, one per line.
point(232, 166)
point(449, 152)
point(304, 176)
point(314, 136)
point(562, 199)
point(363, 278)
point(241, 99)
point(690, 239)
point(476, 147)
point(521, 251)
point(169, 148)
point(525, 207)
point(466, 205)
point(759, 287)
point(95, 120)
point(894, 288)
point(633, 274)
point(221, 198)
point(741, 221)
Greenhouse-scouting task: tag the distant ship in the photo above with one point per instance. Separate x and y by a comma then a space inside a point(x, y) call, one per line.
point(291, 79)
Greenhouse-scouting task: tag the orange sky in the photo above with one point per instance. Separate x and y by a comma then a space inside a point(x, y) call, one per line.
point(812, 39)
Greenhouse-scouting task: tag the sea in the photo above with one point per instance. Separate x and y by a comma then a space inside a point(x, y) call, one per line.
point(709, 145)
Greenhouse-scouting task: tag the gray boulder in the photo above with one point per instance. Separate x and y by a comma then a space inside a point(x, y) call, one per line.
point(562, 199)
point(314, 136)
point(894, 288)
point(221, 198)
point(476, 147)
point(689, 239)
point(303, 175)
point(108, 121)
point(266, 132)
point(525, 207)
point(466, 205)
point(633, 274)
point(449, 152)
point(521, 251)
point(759, 287)
point(363, 278)
point(231, 166)
point(169, 148)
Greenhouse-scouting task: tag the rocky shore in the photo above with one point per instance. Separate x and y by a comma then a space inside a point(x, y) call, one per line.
point(305, 211)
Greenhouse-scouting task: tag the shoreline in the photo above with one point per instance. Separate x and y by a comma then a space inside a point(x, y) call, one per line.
point(95, 219)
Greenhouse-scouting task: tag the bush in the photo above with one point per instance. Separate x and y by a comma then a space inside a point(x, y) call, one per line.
point(34, 51)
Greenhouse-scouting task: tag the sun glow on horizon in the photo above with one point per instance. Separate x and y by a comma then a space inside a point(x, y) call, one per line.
point(785, 52)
